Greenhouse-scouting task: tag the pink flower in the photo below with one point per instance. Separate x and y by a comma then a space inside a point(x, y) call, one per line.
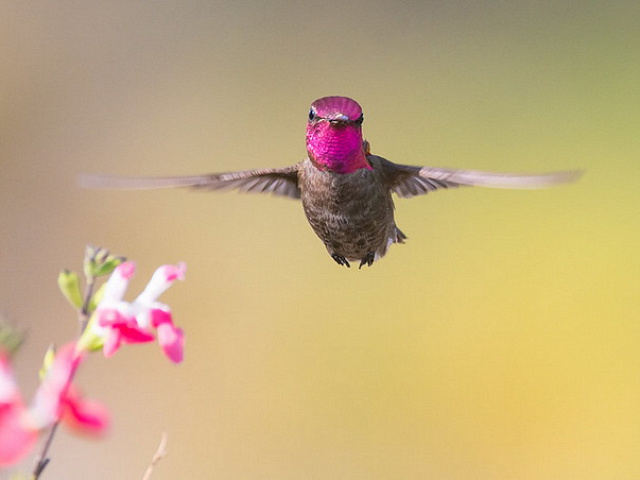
point(17, 436)
point(58, 399)
point(118, 322)
point(84, 416)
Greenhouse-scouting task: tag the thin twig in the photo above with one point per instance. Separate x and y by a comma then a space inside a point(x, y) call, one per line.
point(159, 455)
point(42, 460)
point(83, 314)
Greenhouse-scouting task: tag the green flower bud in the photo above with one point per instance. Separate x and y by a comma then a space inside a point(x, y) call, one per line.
point(108, 265)
point(49, 356)
point(10, 338)
point(90, 254)
point(95, 299)
point(69, 284)
point(98, 262)
point(89, 341)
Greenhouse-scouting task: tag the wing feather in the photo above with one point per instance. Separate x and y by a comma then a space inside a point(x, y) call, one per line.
point(408, 181)
point(278, 181)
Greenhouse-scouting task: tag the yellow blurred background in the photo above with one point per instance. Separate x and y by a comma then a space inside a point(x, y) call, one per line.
point(501, 342)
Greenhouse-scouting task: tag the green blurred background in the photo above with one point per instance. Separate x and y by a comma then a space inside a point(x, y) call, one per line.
point(501, 342)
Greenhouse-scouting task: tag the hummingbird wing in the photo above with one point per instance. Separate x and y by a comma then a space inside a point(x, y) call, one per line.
point(279, 181)
point(408, 181)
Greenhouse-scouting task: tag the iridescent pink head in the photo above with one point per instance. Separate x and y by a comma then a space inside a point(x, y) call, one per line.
point(334, 135)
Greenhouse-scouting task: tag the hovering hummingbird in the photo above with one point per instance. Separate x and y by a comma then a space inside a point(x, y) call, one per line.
point(345, 190)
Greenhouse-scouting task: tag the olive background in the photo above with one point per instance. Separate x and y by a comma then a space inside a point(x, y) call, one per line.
point(501, 341)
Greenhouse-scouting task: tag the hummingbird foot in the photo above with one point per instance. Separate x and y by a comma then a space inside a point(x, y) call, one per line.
point(400, 237)
point(368, 260)
point(340, 260)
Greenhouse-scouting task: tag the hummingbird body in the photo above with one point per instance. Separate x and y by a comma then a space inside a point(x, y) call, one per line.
point(352, 213)
point(346, 192)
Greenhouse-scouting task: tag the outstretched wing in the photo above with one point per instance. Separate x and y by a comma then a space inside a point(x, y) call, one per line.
point(279, 181)
point(408, 181)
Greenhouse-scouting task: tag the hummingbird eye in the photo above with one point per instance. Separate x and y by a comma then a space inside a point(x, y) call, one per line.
point(312, 114)
point(360, 119)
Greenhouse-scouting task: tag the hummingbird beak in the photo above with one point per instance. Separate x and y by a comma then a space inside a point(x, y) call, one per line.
point(340, 118)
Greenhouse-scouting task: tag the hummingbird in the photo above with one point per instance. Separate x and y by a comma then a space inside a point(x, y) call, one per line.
point(345, 190)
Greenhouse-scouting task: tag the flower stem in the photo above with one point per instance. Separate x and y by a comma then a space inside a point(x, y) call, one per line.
point(159, 455)
point(83, 314)
point(42, 459)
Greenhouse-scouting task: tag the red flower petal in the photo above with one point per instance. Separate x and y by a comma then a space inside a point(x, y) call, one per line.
point(134, 334)
point(126, 270)
point(174, 272)
point(112, 342)
point(85, 416)
point(160, 316)
point(16, 439)
point(171, 340)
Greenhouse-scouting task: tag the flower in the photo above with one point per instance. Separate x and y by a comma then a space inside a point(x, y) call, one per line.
point(58, 399)
point(112, 323)
point(17, 436)
point(84, 416)
point(116, 322)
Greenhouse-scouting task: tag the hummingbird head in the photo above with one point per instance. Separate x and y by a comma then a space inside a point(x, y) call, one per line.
point(334, 135)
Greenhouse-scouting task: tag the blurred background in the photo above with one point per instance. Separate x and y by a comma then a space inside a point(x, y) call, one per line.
point(501, 342)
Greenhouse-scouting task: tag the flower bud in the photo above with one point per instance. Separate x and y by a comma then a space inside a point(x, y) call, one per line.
point(90, 341)
point(10, 338)
point(69, 284)
point(96, 298)
point(49, 356)
point(108, 265)
point(98, 262)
